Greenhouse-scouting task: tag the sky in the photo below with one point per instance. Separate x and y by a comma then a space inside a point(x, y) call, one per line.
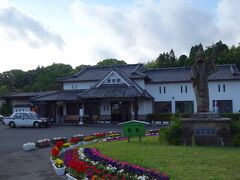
point(42, 32)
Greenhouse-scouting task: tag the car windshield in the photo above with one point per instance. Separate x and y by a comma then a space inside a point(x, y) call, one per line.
point(34, 115)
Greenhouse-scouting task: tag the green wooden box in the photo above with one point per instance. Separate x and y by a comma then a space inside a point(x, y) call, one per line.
point(134, 128)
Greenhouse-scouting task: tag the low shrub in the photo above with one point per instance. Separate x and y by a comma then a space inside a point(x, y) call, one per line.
point(232, 116)
point(235, 127)
point(171, 135)
point(236, 140)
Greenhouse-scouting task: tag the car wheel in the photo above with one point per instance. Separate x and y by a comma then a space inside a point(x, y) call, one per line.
point(36, 125)
point(12, 125)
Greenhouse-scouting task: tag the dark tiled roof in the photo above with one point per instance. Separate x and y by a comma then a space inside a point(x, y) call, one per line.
point(25, 95)
point(64, 95)
point(183, 74)
point(97, 73)
point(109, 91)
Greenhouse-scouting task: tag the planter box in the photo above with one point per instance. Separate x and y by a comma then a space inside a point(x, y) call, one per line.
point(59, 171)
point(43, 144)
point(72, 178)
point(60, 139)
point(29, 146)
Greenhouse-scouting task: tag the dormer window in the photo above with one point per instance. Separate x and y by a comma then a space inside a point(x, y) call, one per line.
point(109, 80)
point(118, 80)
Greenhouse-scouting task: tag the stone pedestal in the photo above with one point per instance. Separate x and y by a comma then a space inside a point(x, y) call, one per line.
point(206, 129)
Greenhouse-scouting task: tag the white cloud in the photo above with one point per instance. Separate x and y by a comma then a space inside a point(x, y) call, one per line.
point(21, 27)
point(228, 21)
point(133, 32)
point(145, 28)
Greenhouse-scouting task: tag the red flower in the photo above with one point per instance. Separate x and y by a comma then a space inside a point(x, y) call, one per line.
point(59, 144)
point(55, 151)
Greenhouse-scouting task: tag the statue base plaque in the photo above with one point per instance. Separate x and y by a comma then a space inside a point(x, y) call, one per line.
point(206, 129)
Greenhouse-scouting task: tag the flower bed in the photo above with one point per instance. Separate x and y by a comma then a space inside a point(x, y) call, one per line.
point(122, 169)
point(43, 143)
point(87, 163)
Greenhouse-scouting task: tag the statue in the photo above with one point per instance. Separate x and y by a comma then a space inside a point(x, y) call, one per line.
point(200, 71)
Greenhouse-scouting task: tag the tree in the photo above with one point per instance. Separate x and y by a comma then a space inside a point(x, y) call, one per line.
point(183, 60)
point(108, 62)
point(4, 90)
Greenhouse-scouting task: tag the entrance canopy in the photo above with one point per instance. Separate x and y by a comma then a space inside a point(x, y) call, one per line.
point(113, 91)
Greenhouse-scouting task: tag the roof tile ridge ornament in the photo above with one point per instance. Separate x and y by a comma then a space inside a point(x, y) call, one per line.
point(234, 70)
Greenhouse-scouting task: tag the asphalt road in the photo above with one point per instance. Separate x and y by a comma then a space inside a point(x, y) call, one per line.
point(35, 165)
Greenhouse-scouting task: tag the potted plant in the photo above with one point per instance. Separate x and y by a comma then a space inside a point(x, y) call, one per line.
point(54, 153)
point(56, 139)
point(59, 167)
point(43, 143)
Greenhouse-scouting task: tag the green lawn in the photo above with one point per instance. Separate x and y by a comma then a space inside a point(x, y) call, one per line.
point(180, 162)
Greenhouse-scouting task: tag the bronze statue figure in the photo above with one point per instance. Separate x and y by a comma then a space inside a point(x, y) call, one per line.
point(200, 71)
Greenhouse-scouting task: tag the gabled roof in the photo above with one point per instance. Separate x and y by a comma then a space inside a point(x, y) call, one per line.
point(133, 121)
point(128, 89)
point(96, 73)
point(183, 74)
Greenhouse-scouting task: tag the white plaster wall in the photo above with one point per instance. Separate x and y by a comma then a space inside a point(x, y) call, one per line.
point(232, 92)
point(140, 82)
point(173, 93)
point(144, 107)
point(21, 109)
point(22, 102)
point(78, 85)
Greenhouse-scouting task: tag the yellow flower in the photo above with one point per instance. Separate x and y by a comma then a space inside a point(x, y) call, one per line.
point(59, 163)
point(66, 145)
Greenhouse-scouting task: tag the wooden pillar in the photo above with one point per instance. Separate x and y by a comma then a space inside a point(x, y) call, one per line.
point(135, 108)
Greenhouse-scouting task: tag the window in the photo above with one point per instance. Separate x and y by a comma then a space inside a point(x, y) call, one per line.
point(76, 86)
point(18, 116)
point(118, 80)
point(109, 80)
point(163, 107)
point(72, 86)
point(219, 88)
point(184, 106)
point(222, 106)
point(25, 116)
point(181, 89)
point(185, 89)
point(113, 81)
point(160, 90)
point(164, 90)
point(224, 88)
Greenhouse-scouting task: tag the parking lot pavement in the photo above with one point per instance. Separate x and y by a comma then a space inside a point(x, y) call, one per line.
point(35, 165)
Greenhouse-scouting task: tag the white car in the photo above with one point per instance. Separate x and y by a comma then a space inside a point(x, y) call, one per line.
point(1, 118)
point(27, 119)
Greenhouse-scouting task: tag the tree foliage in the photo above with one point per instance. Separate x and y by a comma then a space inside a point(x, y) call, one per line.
point(45, 78)
point(107, 62)
point(224, 55)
